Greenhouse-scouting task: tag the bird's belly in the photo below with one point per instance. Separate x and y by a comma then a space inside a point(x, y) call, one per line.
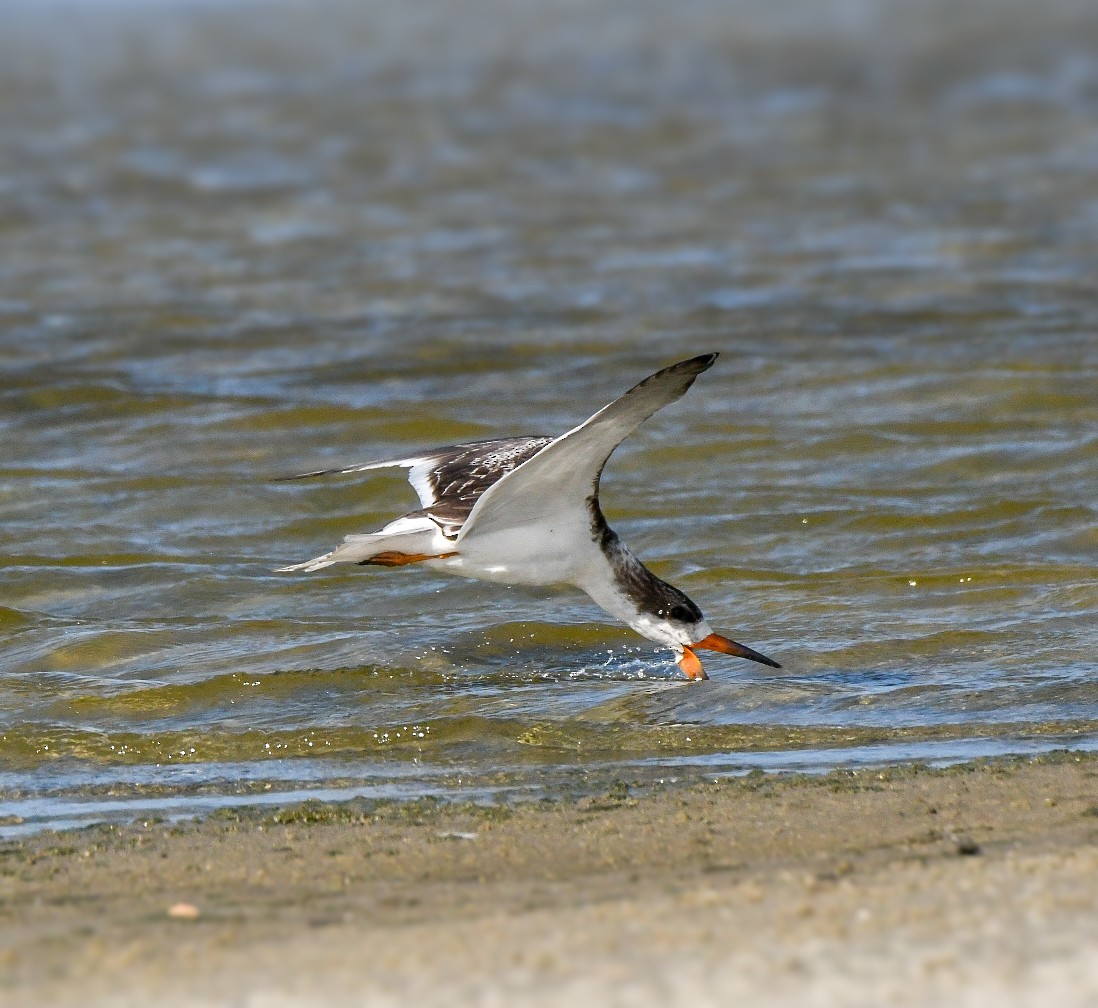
point(517, 557)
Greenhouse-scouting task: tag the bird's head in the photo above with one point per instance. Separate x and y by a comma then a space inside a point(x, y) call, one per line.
point(675, 621)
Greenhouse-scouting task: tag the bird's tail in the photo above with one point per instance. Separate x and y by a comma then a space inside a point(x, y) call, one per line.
point(311, 565)
point(405, 535)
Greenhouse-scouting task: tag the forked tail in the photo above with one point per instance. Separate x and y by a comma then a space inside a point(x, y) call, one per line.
point(411, 536)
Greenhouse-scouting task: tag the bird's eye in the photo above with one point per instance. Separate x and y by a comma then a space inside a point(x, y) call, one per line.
point(681, 614)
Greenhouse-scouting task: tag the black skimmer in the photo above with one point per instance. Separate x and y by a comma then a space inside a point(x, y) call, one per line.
point(526, 511)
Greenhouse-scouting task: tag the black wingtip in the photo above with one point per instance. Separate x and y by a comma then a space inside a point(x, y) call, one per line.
point(692, 366)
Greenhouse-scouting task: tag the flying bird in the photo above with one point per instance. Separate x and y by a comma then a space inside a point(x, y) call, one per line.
point(526, 511)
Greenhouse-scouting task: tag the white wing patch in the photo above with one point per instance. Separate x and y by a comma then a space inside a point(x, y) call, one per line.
point(419, 475)
point(419, 469)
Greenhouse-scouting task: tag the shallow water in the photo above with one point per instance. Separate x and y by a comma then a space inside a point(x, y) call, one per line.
point(246, 239)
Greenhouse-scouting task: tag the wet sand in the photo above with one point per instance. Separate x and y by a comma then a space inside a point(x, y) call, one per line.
point(967, 886)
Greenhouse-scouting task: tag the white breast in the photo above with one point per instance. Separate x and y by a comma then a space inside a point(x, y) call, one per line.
point(560, 553)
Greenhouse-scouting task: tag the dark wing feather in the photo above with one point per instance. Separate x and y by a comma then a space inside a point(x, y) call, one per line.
point(450, 480)
point(458, 478)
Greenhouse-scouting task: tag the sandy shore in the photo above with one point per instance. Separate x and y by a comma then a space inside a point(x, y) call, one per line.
point(970, 886)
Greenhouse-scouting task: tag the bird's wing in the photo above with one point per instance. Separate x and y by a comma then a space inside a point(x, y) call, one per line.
point(451, 479)
point(563, 474)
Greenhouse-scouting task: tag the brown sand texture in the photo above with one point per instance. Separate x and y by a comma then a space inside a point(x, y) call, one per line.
point(972, 886)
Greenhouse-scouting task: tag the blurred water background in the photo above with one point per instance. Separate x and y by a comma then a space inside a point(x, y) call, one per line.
point(240, 239)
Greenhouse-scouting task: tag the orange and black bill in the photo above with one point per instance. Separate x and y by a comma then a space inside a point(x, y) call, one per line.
point(692, 666)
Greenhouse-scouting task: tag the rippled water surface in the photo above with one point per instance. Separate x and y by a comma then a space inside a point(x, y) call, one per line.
point(241, 239)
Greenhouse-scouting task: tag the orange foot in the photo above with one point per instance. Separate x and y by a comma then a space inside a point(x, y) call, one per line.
point(690, 664)
point(391, 558)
